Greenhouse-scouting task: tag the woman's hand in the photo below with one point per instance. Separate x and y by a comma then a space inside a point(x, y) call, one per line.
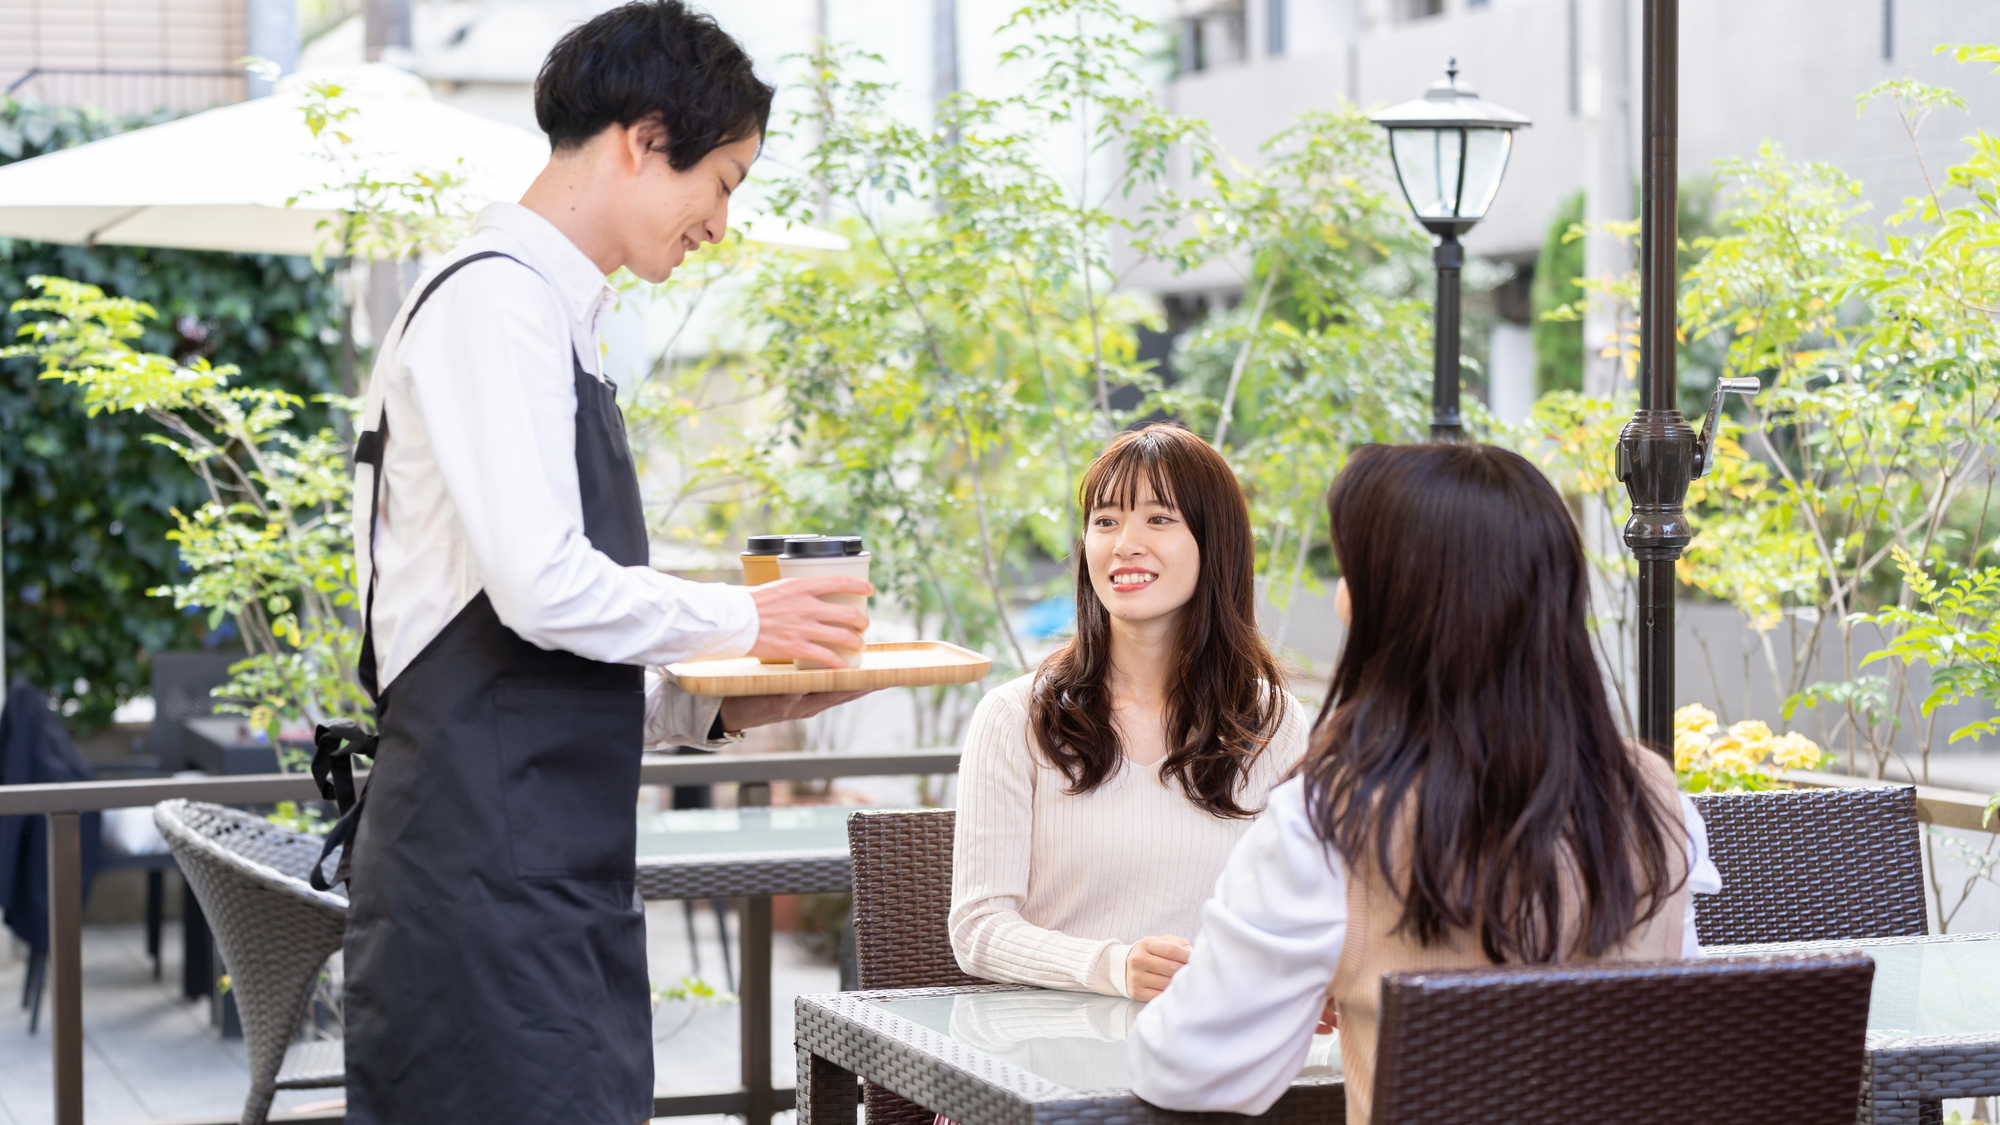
point(1329, 1020)
point(1152, 962)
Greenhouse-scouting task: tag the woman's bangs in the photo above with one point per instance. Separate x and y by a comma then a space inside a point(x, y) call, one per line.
point(1114, 481)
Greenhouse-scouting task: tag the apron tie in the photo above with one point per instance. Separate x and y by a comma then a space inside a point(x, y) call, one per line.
point(334, 748)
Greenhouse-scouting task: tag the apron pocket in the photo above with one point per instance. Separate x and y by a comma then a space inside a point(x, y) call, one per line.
point(569, 779)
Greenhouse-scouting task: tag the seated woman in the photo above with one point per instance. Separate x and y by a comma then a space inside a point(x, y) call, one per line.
point(1100, 796)
point(1467, 799)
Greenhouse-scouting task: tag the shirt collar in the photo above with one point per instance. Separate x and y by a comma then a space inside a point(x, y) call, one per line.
point(576, 278)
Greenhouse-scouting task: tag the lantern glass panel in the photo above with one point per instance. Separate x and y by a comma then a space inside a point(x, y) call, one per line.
point(1427, 161)
point(1486, 152)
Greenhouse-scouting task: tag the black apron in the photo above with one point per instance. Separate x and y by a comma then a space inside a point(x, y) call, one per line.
point(496, 946)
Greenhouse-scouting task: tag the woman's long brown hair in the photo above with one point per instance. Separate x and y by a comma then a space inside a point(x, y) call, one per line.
point(1467, 700)
point(1227, 694)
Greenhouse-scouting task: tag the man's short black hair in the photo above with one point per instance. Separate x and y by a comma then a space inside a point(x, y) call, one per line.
point(652, 59)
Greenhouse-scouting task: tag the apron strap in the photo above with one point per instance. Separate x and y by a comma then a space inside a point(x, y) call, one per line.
point(371, 449)
point(335, 745)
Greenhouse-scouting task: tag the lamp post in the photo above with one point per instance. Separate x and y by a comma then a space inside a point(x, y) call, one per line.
point(1450, 148)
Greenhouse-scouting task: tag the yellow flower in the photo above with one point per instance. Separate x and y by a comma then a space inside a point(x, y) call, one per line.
point(1693, 719)
point(1751, 730)
point(1732, 755)
point(1689, 746)
point(1794, 751)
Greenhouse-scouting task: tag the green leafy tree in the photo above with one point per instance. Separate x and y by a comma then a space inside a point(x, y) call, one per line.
point(1331, 352)
point(87, 501)
point(269, 548)
point(1558, 268)
point(263, 543)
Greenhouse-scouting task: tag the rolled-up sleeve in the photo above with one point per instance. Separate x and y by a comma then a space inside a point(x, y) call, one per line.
point(1232, 1029)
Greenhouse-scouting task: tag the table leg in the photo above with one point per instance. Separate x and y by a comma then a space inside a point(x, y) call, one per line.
point(754, 1003)
point(65, 964)
point(828, 1095)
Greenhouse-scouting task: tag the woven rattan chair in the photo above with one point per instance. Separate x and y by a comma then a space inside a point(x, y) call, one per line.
point(1717, 1042)
point(1813, 865)
point(274, 932)
point(902, 913)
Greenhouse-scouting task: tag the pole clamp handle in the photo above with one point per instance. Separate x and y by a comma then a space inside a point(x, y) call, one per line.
point(1704, 443)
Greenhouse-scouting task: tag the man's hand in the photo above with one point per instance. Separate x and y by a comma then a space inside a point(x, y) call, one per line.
point(741, 712)
point(793, 623)
point(1152, 962)
point(1329, 1020)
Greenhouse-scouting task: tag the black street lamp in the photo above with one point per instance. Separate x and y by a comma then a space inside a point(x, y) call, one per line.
point(1450, 148)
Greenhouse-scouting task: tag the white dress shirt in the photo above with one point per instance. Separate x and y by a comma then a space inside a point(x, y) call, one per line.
point(1232, 1029)
point(479, 486)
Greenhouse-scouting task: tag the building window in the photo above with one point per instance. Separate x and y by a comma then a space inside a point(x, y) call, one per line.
point(1407, 10)
point(1274, 28)
point(1213, 36)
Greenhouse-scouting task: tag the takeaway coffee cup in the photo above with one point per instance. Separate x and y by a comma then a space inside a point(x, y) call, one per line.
point(760, 565)
point(819, 558)
point(760, 557)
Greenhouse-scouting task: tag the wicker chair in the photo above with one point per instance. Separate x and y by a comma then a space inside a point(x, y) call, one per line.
point(274, 932)
point(1689, 1042)
point(902, 911)
point(1812, 865)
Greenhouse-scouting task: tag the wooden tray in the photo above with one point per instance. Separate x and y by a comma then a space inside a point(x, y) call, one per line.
point(892, 664)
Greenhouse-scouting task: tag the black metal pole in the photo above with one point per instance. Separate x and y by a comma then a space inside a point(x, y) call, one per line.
point(1656, 449)
point(1449, 257)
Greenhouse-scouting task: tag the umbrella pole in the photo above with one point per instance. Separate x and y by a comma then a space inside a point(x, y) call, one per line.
point(1657, 448)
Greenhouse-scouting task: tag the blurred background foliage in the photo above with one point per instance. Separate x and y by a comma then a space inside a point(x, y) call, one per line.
point(87, 501)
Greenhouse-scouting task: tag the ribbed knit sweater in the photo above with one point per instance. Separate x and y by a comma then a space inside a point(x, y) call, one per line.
point(1050, 889)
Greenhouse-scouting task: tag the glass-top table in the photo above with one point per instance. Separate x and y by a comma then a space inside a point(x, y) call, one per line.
point(1000, 1054)
point(729, 853)
point(711, 832)
point(748, 854)
point(1073, 1039)
point(993, 1054)
point(1933, 1019)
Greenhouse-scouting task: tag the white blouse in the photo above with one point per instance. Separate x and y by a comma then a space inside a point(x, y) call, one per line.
point(1051, 889)
point(1233, 1027)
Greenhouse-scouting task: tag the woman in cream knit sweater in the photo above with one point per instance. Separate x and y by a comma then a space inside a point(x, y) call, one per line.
point(1099, 797)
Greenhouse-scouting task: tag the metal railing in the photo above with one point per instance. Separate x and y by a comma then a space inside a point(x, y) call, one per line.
point(65, 803)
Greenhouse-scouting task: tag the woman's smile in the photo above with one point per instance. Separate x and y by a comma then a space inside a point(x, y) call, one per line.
point(1131, 579)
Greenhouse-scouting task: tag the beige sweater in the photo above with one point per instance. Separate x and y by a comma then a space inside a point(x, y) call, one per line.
point(1050, 889)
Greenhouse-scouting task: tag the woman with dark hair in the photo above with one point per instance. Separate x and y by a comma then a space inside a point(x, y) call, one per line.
point(1466, 801)
point(1100, 796)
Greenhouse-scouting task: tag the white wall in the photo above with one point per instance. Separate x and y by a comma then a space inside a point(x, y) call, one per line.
point(1750, 69)
point(1510, 372)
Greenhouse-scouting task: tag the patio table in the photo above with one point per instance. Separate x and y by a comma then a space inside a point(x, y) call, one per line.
point(1933, 1020)
point(1004, 1055)
point(748, 854)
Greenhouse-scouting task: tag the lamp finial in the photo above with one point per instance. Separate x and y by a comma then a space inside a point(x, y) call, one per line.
point(1451, 70)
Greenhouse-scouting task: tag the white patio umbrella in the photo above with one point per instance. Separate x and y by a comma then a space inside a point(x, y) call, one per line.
point(219, 180)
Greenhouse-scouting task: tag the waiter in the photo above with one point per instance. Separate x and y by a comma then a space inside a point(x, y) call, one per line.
point(496, 945)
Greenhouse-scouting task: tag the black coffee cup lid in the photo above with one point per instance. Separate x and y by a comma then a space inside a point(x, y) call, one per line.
point(772, 544)
point(849, 543)
point(815, 549)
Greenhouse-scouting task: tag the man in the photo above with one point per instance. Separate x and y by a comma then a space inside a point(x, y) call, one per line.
point(495, 958)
